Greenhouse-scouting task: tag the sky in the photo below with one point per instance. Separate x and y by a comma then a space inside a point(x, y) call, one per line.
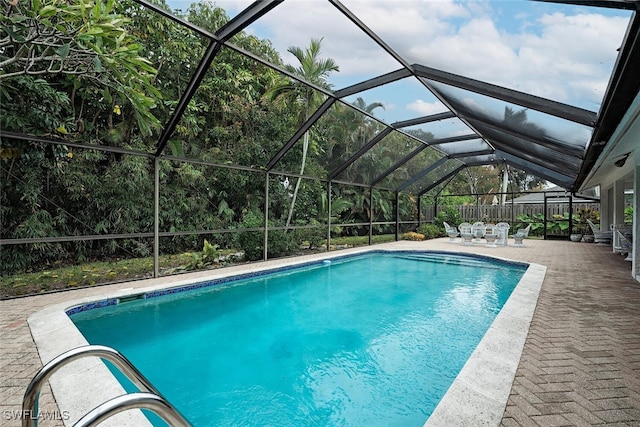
point(560, 52)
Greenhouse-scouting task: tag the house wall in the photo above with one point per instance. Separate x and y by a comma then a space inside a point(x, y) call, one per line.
point(613, 179)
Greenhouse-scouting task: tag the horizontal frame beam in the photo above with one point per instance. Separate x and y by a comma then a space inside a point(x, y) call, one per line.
point(558, 109)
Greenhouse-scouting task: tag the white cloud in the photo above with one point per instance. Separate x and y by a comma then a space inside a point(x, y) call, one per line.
point(426, 108)
point(565, 54)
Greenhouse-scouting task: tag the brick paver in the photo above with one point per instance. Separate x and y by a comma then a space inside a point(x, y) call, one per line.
point(581, 360)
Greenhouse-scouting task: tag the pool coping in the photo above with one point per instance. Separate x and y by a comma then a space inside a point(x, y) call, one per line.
point(477, 396)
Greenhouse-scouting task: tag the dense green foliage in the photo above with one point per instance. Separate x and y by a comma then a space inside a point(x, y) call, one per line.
point(450, 215)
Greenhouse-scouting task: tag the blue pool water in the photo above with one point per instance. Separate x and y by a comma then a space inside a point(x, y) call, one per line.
point(367, 340)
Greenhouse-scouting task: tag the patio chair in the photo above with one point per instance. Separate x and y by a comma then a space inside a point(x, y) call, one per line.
point(466, 233)
point(520, 235)
point(491, 235)
point(623, 242)
point(478, 231)
point(626, 240)
point(600, 237)
point(452, 232)
point(502, 230)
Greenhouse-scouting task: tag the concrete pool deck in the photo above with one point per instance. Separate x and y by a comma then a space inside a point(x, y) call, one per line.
point(581, 358)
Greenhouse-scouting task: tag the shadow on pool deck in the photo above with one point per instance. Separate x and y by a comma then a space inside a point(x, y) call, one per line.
point(581, 359)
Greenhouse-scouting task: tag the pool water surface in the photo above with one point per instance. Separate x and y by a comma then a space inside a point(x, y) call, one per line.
point(373, 339)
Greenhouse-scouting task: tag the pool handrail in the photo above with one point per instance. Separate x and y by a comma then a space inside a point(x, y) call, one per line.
point(159, 405)
point(32, 393)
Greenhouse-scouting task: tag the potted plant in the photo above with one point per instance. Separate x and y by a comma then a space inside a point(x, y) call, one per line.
point(579, 229)
point(585, 214)
point(576, 236)
point(587, 235)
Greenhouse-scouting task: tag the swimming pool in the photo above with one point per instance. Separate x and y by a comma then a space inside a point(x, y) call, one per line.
point(367, 354)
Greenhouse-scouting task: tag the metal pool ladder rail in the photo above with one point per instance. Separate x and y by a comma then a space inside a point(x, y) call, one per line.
point(149, 397)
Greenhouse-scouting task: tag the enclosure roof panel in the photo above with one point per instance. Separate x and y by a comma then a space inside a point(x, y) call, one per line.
point(526, 82)
point(420, 89)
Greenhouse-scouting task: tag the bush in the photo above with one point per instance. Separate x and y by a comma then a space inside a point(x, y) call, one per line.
point(431, 231)
point(313, 236)
point(450, 215)
point(252, 242)
point(411, 235)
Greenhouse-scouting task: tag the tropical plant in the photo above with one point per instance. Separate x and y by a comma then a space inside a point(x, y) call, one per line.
point(315, 70)
point(83, 39)
point(536, 221)
point(209, 255)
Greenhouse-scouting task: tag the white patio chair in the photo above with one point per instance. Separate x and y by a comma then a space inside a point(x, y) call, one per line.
point(620, 233)
point(520, 235)
point(491, 235)
point(626, 242)
point(600, 237)
point(623, 241)
point(478, 231)
point(502, 230)
point(466, 233)
point(452, 232)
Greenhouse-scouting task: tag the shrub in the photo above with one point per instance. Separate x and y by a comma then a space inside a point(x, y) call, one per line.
point(450, 215)
point(313, 236)
point(412, 235)
point(431, 231)
point(252, 242)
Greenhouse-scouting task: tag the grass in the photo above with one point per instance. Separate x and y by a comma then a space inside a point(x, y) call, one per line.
point(95, 273)
point(87, 274)
point(362, 240)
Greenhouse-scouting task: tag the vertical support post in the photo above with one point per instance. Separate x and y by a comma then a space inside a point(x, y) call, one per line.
point(328, 216)
point(513, 217)
point(635, 245)
point(605, 209)
point(435, 207)
point(433, 212)
point(477, 207)
point(618, 206)
point(397, 215)
point(265, 246)
point(156, 216)
point(419, 211)
point(544, 218)
point(570, 213)
point(370, 213)
point(618, 202)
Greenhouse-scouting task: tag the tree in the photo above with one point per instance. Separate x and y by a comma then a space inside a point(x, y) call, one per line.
point(312, 69)
point(85, 38)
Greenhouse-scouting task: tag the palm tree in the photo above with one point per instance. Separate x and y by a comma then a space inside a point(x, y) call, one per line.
point(312, 69)
point(366, 128)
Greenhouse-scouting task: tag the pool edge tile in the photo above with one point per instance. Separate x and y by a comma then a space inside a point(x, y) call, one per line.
point(478, 400)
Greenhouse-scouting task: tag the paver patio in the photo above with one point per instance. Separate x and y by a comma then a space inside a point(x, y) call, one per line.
point(581, 360)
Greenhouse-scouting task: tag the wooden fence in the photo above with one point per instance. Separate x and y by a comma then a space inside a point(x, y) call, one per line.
point(508, 213)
